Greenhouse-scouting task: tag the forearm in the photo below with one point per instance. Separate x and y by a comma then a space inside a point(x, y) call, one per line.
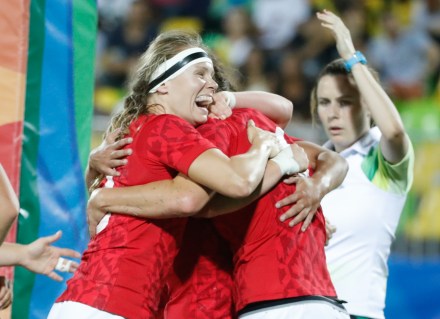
point(275, 107)
point(164, 199)
point(11, 254)
point(221, 205)
point(249, 168)
point(9, 205)
point(329, 172)
point(235, 177)
point(382, 108)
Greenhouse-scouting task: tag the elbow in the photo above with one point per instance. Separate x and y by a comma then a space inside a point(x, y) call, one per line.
point(190, 204)
point(287, 110)
point(240, 189)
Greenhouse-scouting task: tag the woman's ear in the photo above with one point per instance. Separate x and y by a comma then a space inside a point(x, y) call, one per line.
point(163, 88)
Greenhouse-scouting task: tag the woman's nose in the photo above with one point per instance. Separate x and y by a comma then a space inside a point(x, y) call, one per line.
point(212, 84)
point(333, 110)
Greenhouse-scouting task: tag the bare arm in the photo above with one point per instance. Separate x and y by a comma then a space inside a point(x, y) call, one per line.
point(221, 205)
point(275, 107)
point(39, 256)
point(394, 142)
point(9, 205)
point(152, 200)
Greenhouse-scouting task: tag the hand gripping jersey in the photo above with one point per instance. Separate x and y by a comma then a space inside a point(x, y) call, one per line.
point(270, 259)
point(124, 268)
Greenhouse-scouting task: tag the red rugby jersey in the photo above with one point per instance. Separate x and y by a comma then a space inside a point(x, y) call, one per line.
point(271, 260)
point(124, 268)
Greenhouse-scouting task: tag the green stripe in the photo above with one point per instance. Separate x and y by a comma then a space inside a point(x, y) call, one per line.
point(28, 227)
point(85, 20)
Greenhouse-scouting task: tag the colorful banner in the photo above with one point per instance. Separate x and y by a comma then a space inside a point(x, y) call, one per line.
point(56, 135)
point(14, 25)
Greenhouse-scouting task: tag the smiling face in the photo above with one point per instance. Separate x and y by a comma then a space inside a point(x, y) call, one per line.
point(340, 110)
point(189, 94)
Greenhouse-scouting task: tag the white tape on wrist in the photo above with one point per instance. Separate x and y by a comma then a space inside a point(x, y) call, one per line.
point(285, 161)
point(279, 133)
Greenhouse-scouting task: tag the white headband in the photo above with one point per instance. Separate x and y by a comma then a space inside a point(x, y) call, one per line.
point(176, 65)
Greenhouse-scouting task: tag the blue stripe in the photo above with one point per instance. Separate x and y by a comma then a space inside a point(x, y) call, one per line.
point(60, 176)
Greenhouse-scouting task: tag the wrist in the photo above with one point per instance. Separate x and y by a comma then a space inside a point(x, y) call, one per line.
point(286, 162)
point(22, 255)
point(354, 59)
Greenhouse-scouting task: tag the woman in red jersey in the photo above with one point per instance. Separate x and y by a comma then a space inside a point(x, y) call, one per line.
point(123, 270)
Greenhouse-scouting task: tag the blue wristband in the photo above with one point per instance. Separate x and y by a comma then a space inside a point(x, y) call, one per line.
point(357, 57)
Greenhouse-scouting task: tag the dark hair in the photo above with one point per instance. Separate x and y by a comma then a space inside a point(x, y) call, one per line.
point(334, 68)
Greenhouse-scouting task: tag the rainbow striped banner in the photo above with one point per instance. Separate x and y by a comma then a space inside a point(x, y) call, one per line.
point(46, 65)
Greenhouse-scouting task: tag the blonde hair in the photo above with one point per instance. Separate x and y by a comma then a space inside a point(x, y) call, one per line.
point(162, 48)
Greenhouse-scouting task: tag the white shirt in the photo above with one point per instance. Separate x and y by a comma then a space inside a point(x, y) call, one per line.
point(366, 216)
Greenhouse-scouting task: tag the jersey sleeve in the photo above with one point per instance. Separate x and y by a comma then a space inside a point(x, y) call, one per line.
point(175, 142)
point(395, 178)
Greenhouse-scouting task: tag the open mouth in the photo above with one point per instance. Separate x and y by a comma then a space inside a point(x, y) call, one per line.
point(204, 101)
point(335, 129)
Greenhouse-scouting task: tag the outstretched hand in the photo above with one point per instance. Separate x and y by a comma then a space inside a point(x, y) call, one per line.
point(41, 257)
point(340, 32)
point(305, 202)
point(110, 154)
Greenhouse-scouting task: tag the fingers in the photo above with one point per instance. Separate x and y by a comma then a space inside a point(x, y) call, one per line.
point(48, 240)
point(5, 293)
point(289, 200)
point(329, 231)
point(307, 221)
point(251, 130)
point(53, 275)
point(67, 252)
point(122, 142)
point(111, 137)
point(291, 179)
point(66, 265)
point(300, 216)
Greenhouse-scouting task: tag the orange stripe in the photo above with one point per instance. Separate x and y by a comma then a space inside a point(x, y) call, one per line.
point(14, 28)
point(12, 87)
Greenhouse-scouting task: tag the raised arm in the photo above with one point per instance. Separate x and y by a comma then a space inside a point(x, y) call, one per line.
point(394, 142)
point(9, 205)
